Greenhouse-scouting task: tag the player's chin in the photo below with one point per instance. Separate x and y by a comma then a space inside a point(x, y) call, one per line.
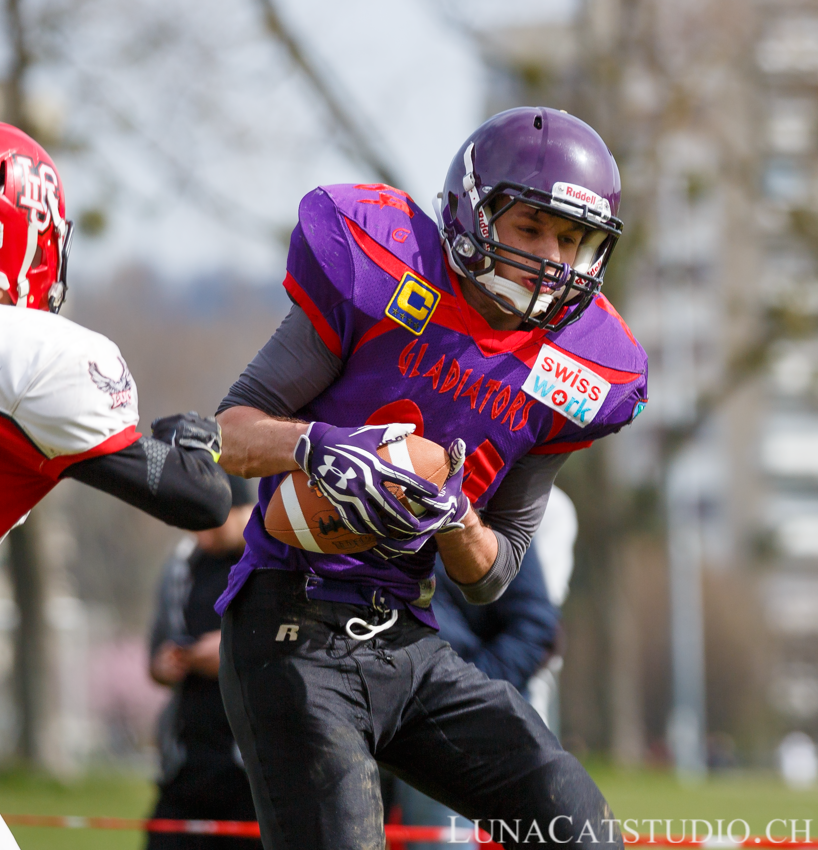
point(505, 299)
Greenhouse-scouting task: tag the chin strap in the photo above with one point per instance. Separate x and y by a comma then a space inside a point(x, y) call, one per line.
point(518, 295)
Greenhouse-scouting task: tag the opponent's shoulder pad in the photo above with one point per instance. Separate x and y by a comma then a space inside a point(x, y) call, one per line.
point(67, 387)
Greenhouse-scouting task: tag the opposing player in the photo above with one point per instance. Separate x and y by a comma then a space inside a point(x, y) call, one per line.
point(488, 334)
point(68, 404)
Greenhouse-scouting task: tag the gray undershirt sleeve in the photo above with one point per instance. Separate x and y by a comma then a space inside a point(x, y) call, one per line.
point(514, 514)
point(292, 369)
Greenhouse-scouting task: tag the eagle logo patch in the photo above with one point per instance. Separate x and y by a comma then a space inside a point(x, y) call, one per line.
point(120, 389)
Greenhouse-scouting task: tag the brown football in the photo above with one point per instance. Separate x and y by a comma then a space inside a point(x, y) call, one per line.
point(301, 516)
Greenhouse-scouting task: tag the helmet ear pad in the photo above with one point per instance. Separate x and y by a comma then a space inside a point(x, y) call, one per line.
point(589, 250)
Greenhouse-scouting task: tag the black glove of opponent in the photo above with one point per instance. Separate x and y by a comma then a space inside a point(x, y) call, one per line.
point(189, 431)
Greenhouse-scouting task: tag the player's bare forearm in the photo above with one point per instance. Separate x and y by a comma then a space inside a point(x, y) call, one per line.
point(255, 445)
point(468, 553)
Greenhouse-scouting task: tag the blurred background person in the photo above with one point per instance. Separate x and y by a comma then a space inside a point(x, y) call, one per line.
point(553, 547)
point(201, 776)
point(515, 638)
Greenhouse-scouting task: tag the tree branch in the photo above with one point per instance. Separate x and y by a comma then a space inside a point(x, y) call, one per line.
point(360, 146)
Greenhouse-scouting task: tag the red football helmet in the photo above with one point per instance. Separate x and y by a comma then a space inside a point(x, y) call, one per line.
point(34, 236)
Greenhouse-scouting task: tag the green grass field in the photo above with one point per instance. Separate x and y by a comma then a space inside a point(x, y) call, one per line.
point(110, 795)
point(757, 798)
point(754, 797)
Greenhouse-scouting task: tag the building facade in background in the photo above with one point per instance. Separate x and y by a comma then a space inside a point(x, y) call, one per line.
point(706, 570)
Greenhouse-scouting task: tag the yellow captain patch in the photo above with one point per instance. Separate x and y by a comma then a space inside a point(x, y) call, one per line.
point(413, 303)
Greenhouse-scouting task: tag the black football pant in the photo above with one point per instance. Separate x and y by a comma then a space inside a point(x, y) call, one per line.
point(313, 711)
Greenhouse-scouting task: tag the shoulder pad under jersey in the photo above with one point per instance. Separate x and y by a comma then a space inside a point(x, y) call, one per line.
point(602, 337)
point(346, 235)
point(347, 213)
point(68, 388)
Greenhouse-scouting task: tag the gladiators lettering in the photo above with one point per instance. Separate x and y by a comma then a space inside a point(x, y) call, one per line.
point(564, 385)
point(489, 395)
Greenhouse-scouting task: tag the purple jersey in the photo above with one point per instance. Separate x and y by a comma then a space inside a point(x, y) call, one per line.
point(366, 265)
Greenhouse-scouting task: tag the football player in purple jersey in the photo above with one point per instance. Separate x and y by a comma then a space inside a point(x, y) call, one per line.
point(486, 332)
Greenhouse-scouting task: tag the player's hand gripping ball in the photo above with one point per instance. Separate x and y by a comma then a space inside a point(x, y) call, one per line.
point(345, 465)
point(301, 515)
point(443, 513)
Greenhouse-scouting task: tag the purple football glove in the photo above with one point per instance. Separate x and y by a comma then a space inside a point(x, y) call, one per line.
point(345, 465)
point(443, 513)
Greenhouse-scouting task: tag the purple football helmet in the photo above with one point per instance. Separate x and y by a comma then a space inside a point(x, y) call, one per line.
point(549, 160)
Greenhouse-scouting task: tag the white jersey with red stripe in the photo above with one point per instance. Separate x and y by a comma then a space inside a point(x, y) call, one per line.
point(65, 395)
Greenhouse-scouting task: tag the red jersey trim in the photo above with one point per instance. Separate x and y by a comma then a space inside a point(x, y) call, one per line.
point(446, 314)
point(31, 458)
point(378, 329)
point(56, 466)
point(557, 424)
point(560, 448)
point(33, 474)
point(329, 337)
point(602, 302)
point(382, 258)
point(491, 341)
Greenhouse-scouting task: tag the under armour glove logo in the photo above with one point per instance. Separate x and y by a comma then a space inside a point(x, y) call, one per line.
point(343, 477)
point(360, 494)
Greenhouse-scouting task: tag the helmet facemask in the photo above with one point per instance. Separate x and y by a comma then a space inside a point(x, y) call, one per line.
point(562, 291)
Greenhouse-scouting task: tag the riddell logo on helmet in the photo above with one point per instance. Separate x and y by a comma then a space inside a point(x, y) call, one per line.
point(579, 196)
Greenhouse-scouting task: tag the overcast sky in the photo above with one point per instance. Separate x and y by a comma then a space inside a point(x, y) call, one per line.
point(196, 137)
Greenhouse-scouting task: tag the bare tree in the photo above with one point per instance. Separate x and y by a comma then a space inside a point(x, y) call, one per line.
point(26, 567)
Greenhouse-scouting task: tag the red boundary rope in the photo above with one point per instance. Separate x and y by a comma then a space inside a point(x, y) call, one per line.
point(395, 833)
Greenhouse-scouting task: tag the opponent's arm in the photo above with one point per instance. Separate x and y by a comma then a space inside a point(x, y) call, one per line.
point(175, 479)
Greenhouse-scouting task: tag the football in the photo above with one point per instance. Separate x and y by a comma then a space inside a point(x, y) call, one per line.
point(301, 516)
